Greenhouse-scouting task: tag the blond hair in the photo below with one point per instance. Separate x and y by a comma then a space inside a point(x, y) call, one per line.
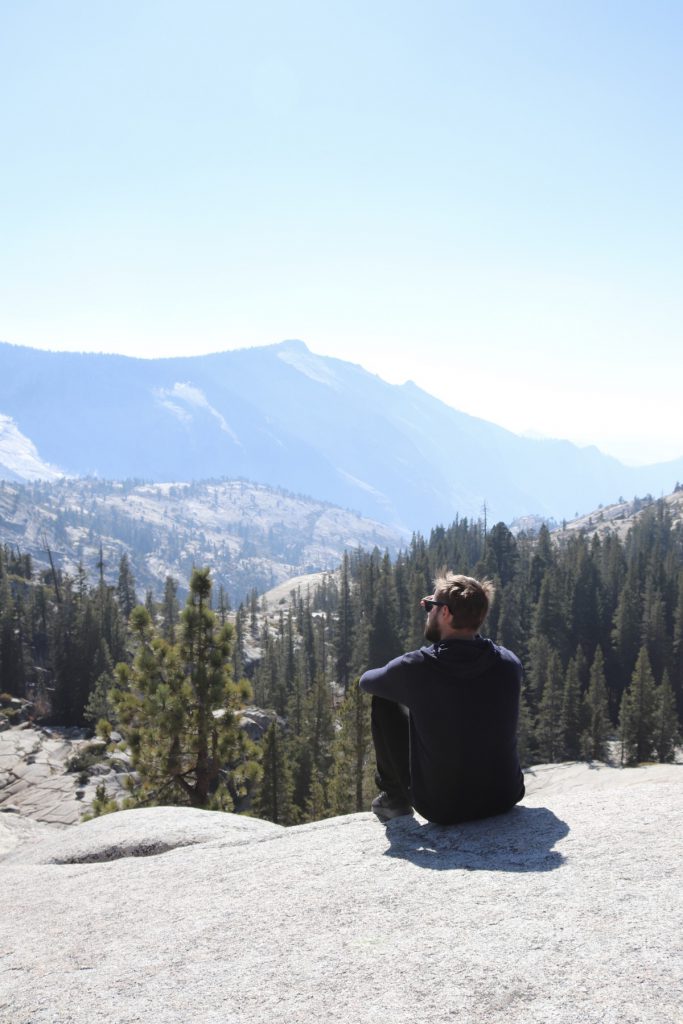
point(468, 600)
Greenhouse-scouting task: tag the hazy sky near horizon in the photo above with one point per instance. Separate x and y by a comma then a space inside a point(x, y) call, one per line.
point(482, 197)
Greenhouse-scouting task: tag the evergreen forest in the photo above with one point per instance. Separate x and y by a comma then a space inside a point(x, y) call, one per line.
point(596, 620)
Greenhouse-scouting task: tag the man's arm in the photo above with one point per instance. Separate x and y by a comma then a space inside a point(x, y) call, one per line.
point(390, 681)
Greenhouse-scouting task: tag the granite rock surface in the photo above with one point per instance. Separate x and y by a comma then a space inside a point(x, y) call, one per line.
point(34, 777)
point(566, 910)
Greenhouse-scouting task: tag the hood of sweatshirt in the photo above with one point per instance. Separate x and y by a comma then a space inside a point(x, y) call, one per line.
point(470, 657)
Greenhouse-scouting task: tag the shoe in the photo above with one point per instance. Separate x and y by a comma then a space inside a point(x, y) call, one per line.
point(387, 807)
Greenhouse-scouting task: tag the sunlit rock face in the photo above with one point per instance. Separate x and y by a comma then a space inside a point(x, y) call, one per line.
point(565, 910)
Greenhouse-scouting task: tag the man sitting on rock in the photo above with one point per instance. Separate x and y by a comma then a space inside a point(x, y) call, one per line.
point(444, 718)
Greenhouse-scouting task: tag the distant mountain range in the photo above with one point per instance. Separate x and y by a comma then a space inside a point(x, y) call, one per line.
point(252, 537)
point(285, 417)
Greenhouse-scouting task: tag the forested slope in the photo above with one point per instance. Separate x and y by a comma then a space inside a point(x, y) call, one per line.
point(597, 622)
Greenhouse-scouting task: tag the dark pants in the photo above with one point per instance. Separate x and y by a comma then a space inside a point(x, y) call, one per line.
point(391, 735)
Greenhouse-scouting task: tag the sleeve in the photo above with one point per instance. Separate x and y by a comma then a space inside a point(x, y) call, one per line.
point(390, 682)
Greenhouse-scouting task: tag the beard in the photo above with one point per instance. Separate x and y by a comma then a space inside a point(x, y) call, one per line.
point(432, 632)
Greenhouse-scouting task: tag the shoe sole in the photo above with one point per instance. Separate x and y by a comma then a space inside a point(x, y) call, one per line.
point(388, 815)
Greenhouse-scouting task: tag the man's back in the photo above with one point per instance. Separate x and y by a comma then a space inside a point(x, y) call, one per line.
point(463, 698)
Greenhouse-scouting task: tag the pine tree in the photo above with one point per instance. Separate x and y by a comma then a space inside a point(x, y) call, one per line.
point(318, 727)
point(510, 631)
point(151, 604)
point(351, 770)
point(501, 555)
point(539, 657)
point(316, 803)
point(543, 559)
point(637, 720)
point(585, 600)
point(666, 722)
point(344, 627)
point(13, 669)
point(177, 703)
point(549, 727)
point(570, 715)
point(677, 645)
point(237, 645)
point(100, 703)
point(75, 642)
point(525, 731)
point(223, 605)
point(656, 636)
point(550, 619)
point(626, 631)
point(273, 800)
point(266, 676)
point(170, 612)
point(125, 588)
point(384, 642)
point(302, 775)
point(596, 712)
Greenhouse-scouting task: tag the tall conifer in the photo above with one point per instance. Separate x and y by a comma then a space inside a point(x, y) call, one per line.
point(125, 587)
point(637, 719)
point(352, 755)
point(549, 728)
point(667, 733)
point(273, 799)
point(570, 716)
point(596, 712)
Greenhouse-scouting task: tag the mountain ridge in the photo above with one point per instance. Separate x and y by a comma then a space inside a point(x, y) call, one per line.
point(252, 536)
point(285, 416)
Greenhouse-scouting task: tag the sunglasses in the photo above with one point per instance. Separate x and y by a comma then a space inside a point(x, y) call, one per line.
point(427, 604)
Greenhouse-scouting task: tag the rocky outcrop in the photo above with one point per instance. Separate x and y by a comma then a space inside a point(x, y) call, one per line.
point(143, 832)
point(52, 774)
point(564, 911)
point(34, 777)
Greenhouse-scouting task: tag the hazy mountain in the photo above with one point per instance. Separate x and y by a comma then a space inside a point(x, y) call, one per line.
point(19, 459)
point(284, 416)
point(252, 536)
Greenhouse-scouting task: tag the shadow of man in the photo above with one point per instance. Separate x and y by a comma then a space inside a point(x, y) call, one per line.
point(521, 840)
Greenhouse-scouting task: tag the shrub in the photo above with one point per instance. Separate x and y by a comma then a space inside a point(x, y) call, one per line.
point(84, 759)
point(102, 804)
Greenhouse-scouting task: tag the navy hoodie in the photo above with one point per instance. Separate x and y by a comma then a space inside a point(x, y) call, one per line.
point(463, 697)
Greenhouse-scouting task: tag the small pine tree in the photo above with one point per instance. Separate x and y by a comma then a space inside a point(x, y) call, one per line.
point(177, 704)
point(102, 804)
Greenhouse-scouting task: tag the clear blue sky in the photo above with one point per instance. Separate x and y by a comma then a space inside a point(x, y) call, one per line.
point(483, 197)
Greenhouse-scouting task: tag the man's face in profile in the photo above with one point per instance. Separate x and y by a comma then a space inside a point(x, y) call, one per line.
point(432, 625)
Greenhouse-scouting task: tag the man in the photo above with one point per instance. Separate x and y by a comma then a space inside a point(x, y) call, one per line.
point(444, 718)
